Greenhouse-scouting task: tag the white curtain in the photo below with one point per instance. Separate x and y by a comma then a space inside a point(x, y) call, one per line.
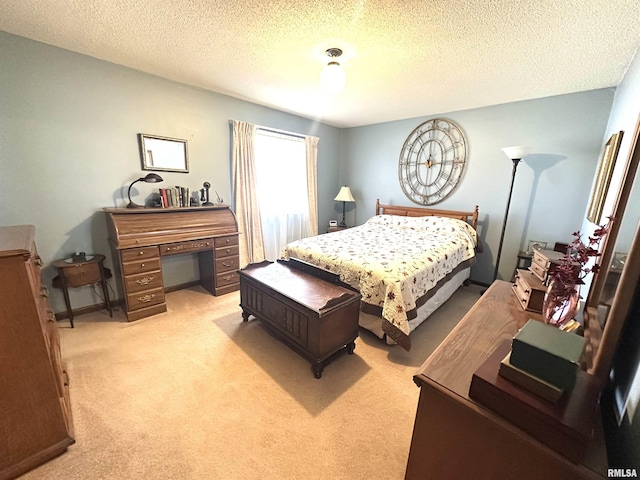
point(311, 144)
point(244, 193)
point(275, 189)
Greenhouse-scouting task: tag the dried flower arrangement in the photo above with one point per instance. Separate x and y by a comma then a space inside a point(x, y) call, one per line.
point(572, 269)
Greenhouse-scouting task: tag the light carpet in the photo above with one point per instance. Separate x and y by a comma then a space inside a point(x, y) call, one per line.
point(195, 393)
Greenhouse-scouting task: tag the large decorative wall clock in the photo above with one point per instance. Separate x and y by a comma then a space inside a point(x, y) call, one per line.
point(432, 161)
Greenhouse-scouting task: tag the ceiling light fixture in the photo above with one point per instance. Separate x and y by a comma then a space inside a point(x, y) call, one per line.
point(333, 78)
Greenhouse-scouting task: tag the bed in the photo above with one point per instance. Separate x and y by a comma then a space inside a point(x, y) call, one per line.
point(404, 261)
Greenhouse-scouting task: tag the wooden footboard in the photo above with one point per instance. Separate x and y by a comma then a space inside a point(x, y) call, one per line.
point(470, 217)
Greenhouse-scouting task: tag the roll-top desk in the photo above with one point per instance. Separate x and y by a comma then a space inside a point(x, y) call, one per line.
point(142, 236)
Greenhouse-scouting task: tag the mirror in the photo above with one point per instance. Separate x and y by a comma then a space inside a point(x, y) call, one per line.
point(163, 154)
point(627, 227)
point(609, 297)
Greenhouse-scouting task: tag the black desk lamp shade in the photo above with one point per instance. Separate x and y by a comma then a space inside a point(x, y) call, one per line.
point(150, 178)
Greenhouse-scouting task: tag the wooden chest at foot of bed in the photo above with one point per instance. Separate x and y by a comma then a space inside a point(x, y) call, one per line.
point(307, 308)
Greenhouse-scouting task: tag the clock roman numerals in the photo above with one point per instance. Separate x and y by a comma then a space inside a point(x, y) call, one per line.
point(432, 161)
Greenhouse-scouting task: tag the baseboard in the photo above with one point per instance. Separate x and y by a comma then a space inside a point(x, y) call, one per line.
point(118, 302)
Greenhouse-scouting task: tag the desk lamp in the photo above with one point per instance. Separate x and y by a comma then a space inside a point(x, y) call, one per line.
point(151, 178)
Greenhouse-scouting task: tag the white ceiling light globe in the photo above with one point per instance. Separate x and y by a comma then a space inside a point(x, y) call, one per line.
point(333, 78)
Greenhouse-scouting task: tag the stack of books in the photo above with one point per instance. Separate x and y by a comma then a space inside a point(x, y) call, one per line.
point(535, 382)
point(174, 197)
point(526, 380)
point(544, 360)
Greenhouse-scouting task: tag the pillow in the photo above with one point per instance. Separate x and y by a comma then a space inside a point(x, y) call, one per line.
point(426, 223)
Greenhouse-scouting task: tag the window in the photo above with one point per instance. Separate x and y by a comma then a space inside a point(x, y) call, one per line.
point(281, 187)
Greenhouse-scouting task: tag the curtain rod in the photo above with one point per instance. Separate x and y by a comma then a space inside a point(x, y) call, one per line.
point(275, 130)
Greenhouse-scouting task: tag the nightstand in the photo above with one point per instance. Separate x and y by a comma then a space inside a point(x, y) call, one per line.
point(77, 274)
point(337, 228)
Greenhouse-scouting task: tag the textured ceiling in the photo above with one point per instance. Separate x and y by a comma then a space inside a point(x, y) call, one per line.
point(402, 58)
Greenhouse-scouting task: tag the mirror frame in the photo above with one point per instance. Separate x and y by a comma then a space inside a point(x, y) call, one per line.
point(180, 154)
point(605, 343)
point(603, 178)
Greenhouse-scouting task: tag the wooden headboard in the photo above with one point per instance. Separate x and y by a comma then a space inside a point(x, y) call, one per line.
point(470, 217)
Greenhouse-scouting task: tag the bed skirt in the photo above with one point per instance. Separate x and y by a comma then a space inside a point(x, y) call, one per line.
point(373, 323)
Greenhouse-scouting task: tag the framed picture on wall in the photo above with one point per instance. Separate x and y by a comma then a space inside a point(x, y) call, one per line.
point(603, 178)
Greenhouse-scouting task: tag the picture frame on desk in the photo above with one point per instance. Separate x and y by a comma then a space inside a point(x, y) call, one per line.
point(535, 245)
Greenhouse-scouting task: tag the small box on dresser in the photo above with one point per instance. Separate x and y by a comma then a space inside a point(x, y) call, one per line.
point(529, 290)
point(544, 262)
point(35, 411)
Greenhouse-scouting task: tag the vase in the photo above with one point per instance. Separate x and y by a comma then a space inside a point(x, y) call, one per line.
point(560, 303)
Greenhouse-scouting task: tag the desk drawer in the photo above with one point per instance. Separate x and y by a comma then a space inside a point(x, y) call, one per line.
point(145, 299)
point(143, 281)
point(227, 251)
point(134, 254)
point(141, 266)
point(184, 247)
point(226, 241)
point(227, 278)
point(227, 264)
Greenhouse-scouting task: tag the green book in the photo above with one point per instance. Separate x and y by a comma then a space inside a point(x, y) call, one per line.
point(548, 353)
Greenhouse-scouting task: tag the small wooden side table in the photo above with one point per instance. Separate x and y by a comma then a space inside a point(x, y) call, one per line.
point(77, 274)
point(336, 228)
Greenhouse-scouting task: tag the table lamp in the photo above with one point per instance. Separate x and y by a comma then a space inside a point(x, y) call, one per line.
point(344, 195)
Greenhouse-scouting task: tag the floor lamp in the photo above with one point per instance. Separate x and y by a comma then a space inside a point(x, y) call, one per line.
point(515, 154)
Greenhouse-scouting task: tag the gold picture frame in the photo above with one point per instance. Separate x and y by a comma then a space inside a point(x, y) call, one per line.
point(603, 178)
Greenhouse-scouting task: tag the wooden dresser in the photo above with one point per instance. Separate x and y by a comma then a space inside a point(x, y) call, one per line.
point(35, 413)
point(455, 437)
point(142, 236)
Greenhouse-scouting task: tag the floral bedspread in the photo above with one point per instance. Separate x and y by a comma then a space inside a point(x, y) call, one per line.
point(392, 260)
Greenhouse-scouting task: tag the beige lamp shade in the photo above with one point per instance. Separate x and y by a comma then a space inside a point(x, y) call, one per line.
point(344, 195)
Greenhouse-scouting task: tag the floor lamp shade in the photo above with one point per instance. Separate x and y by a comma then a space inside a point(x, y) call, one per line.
point(344, 196)
point(516, 153)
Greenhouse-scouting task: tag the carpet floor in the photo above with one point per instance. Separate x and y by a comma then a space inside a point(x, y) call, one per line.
point(195, 393)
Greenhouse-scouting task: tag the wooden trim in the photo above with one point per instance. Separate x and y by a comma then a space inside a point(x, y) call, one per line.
point(605, 349)
point(426, 212)
point(619, 311)
point(609, 242)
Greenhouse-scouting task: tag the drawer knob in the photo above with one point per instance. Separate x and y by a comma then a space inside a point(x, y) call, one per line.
point(146, 298)
point(228, 250)
point(141, 252)
point(141, 265)
point(227, 264)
